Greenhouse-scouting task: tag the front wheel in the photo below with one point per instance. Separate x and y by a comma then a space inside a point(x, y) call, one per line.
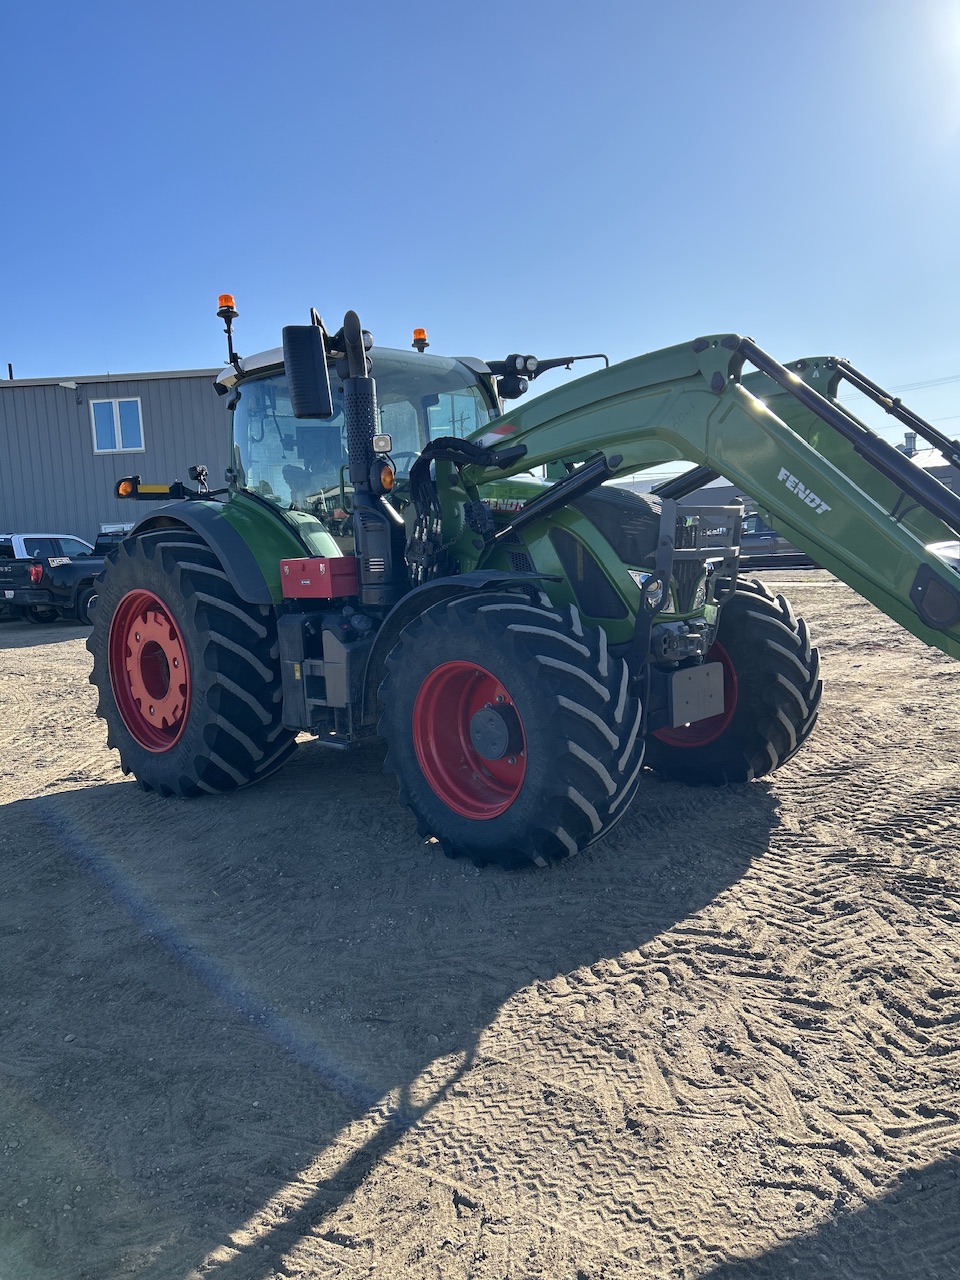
point(510, 728)
point(188, 673)
point(772, 689)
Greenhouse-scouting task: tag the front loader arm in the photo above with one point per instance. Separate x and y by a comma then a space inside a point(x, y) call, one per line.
point(827, 375)
point(859, 508)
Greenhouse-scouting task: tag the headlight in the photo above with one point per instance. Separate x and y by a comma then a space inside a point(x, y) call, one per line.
point(655, 595)
point(700, 599)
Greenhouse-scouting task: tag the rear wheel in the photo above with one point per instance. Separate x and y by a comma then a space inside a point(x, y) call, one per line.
point(188, 673)
point(510, 728)
point(86, 603)
point(772, 689)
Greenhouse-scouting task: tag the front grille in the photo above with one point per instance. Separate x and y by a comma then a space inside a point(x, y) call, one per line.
point(520, 562)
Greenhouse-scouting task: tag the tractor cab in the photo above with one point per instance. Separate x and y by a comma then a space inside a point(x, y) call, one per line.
point(302, 463)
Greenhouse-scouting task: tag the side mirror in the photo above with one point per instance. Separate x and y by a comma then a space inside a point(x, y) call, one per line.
point(305, 361)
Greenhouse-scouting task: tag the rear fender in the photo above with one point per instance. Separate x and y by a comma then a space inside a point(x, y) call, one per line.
point(206, 518)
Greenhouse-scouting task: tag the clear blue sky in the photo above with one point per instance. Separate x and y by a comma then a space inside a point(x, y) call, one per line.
point(538, 176)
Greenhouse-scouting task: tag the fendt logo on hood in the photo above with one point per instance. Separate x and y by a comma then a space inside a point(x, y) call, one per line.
point(803, 493)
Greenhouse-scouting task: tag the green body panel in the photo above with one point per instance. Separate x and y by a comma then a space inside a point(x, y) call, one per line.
point(535, 541)
point(684, 404)
point(274, 535)
point(508, 496)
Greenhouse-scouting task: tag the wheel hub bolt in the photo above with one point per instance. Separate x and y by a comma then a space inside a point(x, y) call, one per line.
point(152, 710)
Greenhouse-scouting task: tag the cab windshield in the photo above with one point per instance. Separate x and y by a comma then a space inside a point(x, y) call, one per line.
point(298, 462)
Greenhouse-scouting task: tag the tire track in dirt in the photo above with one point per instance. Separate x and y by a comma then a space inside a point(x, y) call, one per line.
point(729, 1032)
point(827, 1067)
point(762, 1091)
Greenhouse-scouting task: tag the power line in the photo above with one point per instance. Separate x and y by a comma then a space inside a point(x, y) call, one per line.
point(918, 386)
point(931, 382)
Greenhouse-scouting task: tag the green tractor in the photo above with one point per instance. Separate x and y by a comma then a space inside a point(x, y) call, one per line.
point(404, 550)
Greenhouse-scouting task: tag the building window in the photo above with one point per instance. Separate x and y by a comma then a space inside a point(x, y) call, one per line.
point(117, 426)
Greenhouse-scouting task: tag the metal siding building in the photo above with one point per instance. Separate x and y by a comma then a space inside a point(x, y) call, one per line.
point(54, 478)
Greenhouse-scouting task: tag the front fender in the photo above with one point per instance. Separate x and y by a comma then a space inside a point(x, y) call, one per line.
point(420, 599)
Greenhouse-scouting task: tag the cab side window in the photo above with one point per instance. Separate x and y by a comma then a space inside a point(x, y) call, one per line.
point(753, 524)
point(73, 547)
point(41, 548)
point(457, 413)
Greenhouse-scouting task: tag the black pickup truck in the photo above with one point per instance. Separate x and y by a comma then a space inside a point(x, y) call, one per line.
point(45, 576)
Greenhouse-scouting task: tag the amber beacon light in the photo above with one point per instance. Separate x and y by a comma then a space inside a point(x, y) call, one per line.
point(227, 311)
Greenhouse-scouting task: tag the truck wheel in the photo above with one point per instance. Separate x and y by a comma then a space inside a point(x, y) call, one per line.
point(510, 728)
point(772, 691)
point(188, 673)
point(40, 613)
point(86, 603)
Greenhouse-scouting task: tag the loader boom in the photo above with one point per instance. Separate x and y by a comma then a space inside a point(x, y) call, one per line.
point(856, 505)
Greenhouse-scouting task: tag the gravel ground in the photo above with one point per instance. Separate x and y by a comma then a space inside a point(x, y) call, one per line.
point(275, 1034)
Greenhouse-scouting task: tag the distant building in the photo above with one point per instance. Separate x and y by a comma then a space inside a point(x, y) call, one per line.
point(65, 442)
point(931, 460)
point(718, 493)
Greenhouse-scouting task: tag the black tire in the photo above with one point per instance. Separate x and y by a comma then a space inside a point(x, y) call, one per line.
point(772, 689)
point(86, 604)
point(562, 751)
point(165, 603)
point(40, 613)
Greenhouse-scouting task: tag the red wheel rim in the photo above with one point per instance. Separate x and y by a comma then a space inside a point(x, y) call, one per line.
point(468, 782)
point(149, 670)
point(703, 732)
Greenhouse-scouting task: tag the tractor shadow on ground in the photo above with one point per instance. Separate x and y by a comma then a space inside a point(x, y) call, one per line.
point(204, 995)
point(912, 1233)
point(17, 633)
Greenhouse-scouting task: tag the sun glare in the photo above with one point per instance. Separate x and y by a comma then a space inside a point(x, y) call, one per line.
point(945, 27)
